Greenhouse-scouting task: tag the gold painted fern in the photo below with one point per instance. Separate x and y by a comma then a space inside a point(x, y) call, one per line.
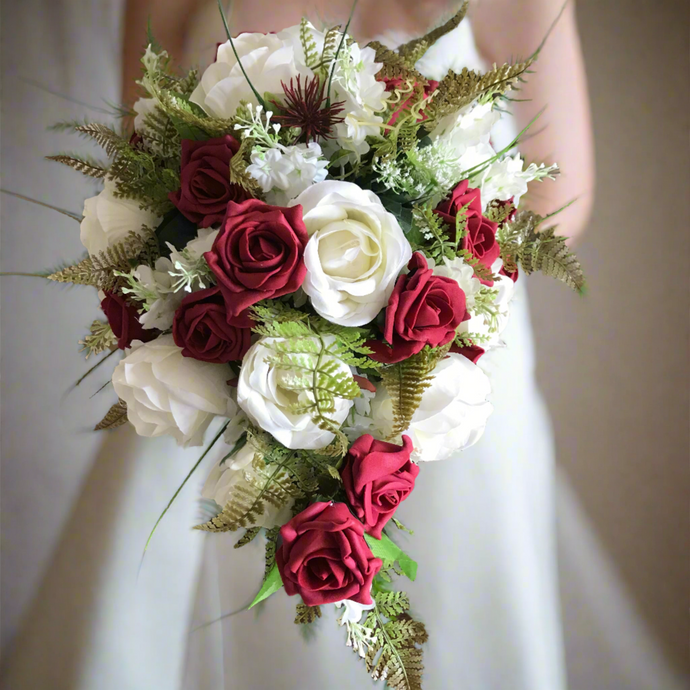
point(263, 484)
point(406, 383)
point(394, 652)
point(539, 250)
point(99, 270)
point(115, 417)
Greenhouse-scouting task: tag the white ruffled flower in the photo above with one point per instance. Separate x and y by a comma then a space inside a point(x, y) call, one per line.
point(463, 274)
point(189, 267)
point(286, 172)
point(154, 288)
point(268, 60)
point(468, 127)
point(167, 393)
point(453, 412)
point(355, 252)
point(353, 611)
point(506, 179)
point(108, 219)
point(480, 324)
point(265, 394)
point(236, 472)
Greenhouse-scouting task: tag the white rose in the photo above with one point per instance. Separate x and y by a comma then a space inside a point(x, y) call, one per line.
point(264, 393)
point(167, 393)
point(108, 220)
point(453, 412)
point(268, 60)
point(237, 472)
point(355, 252)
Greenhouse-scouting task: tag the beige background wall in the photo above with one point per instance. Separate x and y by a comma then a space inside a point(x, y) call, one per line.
point(614, 365)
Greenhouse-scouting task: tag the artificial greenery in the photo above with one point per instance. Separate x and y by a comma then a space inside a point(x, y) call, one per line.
point(305, 615)
point(115, 417)
point(99, 339)
point(535, 249)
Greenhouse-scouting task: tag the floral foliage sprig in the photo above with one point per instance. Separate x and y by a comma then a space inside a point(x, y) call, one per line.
point(313, 244)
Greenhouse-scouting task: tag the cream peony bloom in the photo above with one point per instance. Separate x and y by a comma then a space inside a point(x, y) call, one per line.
point(268, 60)
point(355, 252)
point(108, 220)
point(235, 473)
point(167, 393)
point(265, 395)
point(453, 412)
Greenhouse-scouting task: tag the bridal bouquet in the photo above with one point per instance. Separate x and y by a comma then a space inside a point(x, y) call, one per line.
point(315, 243)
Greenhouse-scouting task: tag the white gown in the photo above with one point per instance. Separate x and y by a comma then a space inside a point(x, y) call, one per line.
point(483, 537)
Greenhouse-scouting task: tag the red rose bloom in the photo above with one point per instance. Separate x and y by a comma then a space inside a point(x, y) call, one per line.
point(472, 352)
point(205, 187)
point(124, 321)
point(324, 557)
point(378, 477)
point(424, 309)
point(203, 330)
point(480, 239)
point(258, 253)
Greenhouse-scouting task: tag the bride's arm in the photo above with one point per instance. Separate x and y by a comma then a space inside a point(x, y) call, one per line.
point(168, 20)
point(506, 29)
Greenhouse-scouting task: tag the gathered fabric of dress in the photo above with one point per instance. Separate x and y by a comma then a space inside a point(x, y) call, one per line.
point(483, 536)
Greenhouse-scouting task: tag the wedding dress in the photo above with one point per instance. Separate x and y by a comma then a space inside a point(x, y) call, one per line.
point(486, 587)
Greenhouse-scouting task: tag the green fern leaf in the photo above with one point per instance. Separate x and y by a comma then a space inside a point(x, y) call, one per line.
point(305, 615)
point(115, 417)
point(83, 165)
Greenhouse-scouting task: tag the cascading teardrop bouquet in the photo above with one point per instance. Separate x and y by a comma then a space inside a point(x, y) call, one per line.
point(309, 247)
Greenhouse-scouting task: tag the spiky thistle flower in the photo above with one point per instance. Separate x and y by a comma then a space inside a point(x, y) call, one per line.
point(304, 107)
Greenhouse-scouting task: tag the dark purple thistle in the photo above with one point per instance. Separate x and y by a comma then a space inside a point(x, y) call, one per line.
point(304, 108)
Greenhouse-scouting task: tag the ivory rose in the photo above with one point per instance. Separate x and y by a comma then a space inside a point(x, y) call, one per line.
point(167, 393)
point(355, 252)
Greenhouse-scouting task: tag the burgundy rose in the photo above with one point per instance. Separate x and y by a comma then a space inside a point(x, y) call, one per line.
point(205, 187)
point(424, 309)
point(203, 330)
point(258, 253)
point(472, 352)
point(324, 557)
point(124, 320)
point(480, 239)
point(378, 477)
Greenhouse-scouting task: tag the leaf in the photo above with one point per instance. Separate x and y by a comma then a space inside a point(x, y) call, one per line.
point(248, 536)
point(387, 550)
point(390, 642)
point(83, 165)
point(406, 383)
point(115, 417)
point(305, 615)
point(270, 586)
point(411, 47)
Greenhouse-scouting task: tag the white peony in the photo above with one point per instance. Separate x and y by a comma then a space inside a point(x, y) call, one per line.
point(286, 172)
point(237, 472)
point(108, 220)
point(268, 60)
point(167, 393)
point(265, 394)
point(453, 412)
point(355, 252)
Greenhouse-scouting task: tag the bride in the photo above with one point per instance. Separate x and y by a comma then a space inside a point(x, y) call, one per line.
point(483, 522)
